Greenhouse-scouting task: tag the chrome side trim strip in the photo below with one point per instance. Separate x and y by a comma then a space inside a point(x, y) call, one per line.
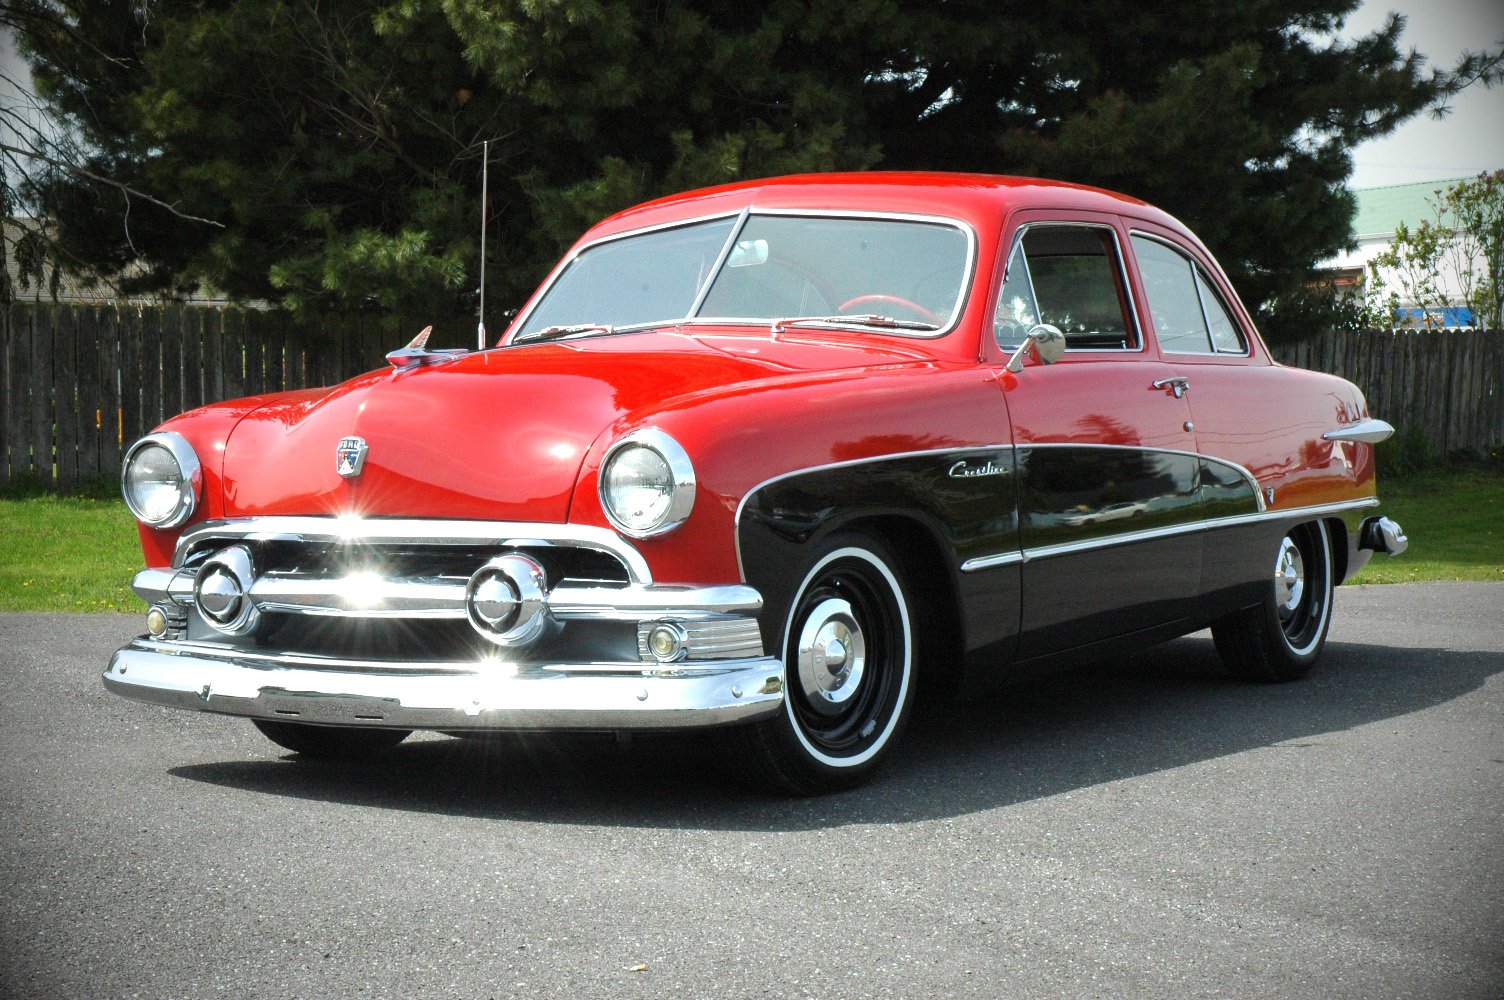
point(416, 532)
point(998, 559)
point(1108, 541)
point(1367, 431)
point(742, 504)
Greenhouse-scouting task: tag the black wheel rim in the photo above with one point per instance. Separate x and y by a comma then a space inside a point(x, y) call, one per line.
point(1302, 587)
point(842, 715)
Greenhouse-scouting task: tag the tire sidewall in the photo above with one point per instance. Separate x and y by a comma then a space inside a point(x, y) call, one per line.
point(1307, 654)
point(828, 767)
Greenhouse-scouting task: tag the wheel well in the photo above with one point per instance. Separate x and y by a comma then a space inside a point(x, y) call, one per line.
point(1337, 532)
point(938, 642)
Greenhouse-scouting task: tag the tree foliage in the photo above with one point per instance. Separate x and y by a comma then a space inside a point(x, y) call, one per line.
point(1450, 262)
point(339, 142)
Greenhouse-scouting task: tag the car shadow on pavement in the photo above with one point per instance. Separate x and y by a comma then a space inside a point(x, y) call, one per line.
point(1164, 709)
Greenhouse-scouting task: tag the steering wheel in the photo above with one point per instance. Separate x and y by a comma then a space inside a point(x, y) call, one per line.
point(892, 300)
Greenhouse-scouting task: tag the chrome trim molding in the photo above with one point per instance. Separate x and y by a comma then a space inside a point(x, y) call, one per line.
point(1127, 287)
point(516, 534)
point(681, 502)
point(1002, 558)
point(190, 491)
point(741, 216)
point(742, 504)
point(1367, 431)
point(492, 694)
point(444, 597)
point(1108, 541)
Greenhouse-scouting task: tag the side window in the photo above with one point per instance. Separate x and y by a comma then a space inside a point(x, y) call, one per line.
point(1226, 337)
point(1189, 316)
point(1070, 277)
point(1017, 312)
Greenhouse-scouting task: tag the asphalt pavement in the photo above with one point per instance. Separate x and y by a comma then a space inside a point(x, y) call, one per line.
point(1143, 828)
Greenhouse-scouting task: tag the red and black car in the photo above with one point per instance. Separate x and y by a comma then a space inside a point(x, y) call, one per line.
point(769, 457)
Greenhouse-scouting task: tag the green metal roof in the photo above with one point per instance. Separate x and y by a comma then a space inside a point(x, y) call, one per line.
point(1381, 208)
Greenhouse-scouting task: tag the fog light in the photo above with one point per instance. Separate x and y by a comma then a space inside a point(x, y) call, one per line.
point(156, 622)
point(668, 642)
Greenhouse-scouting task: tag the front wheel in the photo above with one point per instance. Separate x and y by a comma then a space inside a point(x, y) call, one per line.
point(1279, 638)
point(848, 665)
point(330, 741)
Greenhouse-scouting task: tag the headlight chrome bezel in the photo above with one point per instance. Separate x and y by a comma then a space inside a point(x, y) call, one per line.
point(682, 488)
point(190, 482)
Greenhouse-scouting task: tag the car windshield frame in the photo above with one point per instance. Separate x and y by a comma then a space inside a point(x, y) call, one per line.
point(742, 217)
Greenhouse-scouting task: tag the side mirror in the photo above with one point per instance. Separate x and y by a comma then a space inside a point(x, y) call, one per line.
point(1048, 345)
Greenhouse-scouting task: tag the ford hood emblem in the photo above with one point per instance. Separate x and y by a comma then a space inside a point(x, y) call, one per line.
point(350, 456)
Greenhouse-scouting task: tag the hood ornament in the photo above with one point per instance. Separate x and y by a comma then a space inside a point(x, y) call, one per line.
point(416, 354)
point(350, 456)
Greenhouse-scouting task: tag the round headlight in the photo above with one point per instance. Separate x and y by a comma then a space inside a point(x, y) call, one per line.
point(647, 484)
point(161, 480)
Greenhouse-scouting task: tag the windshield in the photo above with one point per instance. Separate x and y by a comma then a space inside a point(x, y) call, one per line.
point(773, 267)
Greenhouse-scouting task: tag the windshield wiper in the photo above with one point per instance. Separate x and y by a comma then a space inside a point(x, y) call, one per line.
point(567, 330)
point(872, 320)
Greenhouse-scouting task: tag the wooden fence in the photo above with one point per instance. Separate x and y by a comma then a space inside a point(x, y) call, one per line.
point(83, 382)
point(1446, 385)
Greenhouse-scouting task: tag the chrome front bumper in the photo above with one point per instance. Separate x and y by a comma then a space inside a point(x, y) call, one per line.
point(290, 687)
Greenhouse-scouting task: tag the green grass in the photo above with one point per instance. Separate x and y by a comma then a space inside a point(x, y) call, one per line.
point(1454, 519)
point(79, 553)
point(68, 554)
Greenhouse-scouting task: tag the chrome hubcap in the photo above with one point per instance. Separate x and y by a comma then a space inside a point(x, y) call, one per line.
point(1289, 578)
point(832, 656)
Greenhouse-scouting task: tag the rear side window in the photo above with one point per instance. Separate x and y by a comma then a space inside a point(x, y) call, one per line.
point(1070, 277)
point(1189, 316)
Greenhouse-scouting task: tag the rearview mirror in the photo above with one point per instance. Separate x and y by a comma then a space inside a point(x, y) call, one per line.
point(1047, 343)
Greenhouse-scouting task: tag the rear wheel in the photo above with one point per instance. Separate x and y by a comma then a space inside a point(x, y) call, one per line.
point(330, 741)
point(1279, 638)
point(848, 655)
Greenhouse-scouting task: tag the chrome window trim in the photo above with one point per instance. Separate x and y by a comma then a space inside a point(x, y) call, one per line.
point(416, 532)
point(1195, 265)
point(190, 491)
point(521, 320)
point(680, 467)
point(1210, 524)
point(742, 216)
point(1132, 315)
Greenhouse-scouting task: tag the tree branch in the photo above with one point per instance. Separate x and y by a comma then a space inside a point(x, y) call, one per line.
point(126, 189)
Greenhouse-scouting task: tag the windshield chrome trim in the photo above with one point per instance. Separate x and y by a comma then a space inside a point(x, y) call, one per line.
point(742, 216)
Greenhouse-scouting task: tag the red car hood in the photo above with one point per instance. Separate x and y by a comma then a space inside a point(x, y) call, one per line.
point(495, 436)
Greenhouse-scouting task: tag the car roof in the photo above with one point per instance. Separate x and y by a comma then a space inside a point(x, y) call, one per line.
point(978, 199)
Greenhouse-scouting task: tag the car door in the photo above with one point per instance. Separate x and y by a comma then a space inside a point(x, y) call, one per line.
point(1107, 478)
point(1263, 446)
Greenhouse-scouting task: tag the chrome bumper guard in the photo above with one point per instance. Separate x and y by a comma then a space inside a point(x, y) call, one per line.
point(492, 694)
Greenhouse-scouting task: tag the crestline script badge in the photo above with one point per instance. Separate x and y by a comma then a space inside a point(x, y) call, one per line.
point(350, 456)
point(969, 470)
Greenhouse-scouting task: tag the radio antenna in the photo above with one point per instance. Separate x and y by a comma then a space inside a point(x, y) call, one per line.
point(485, 179)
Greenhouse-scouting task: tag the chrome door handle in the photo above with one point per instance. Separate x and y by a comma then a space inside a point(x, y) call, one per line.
point(1179, 385)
